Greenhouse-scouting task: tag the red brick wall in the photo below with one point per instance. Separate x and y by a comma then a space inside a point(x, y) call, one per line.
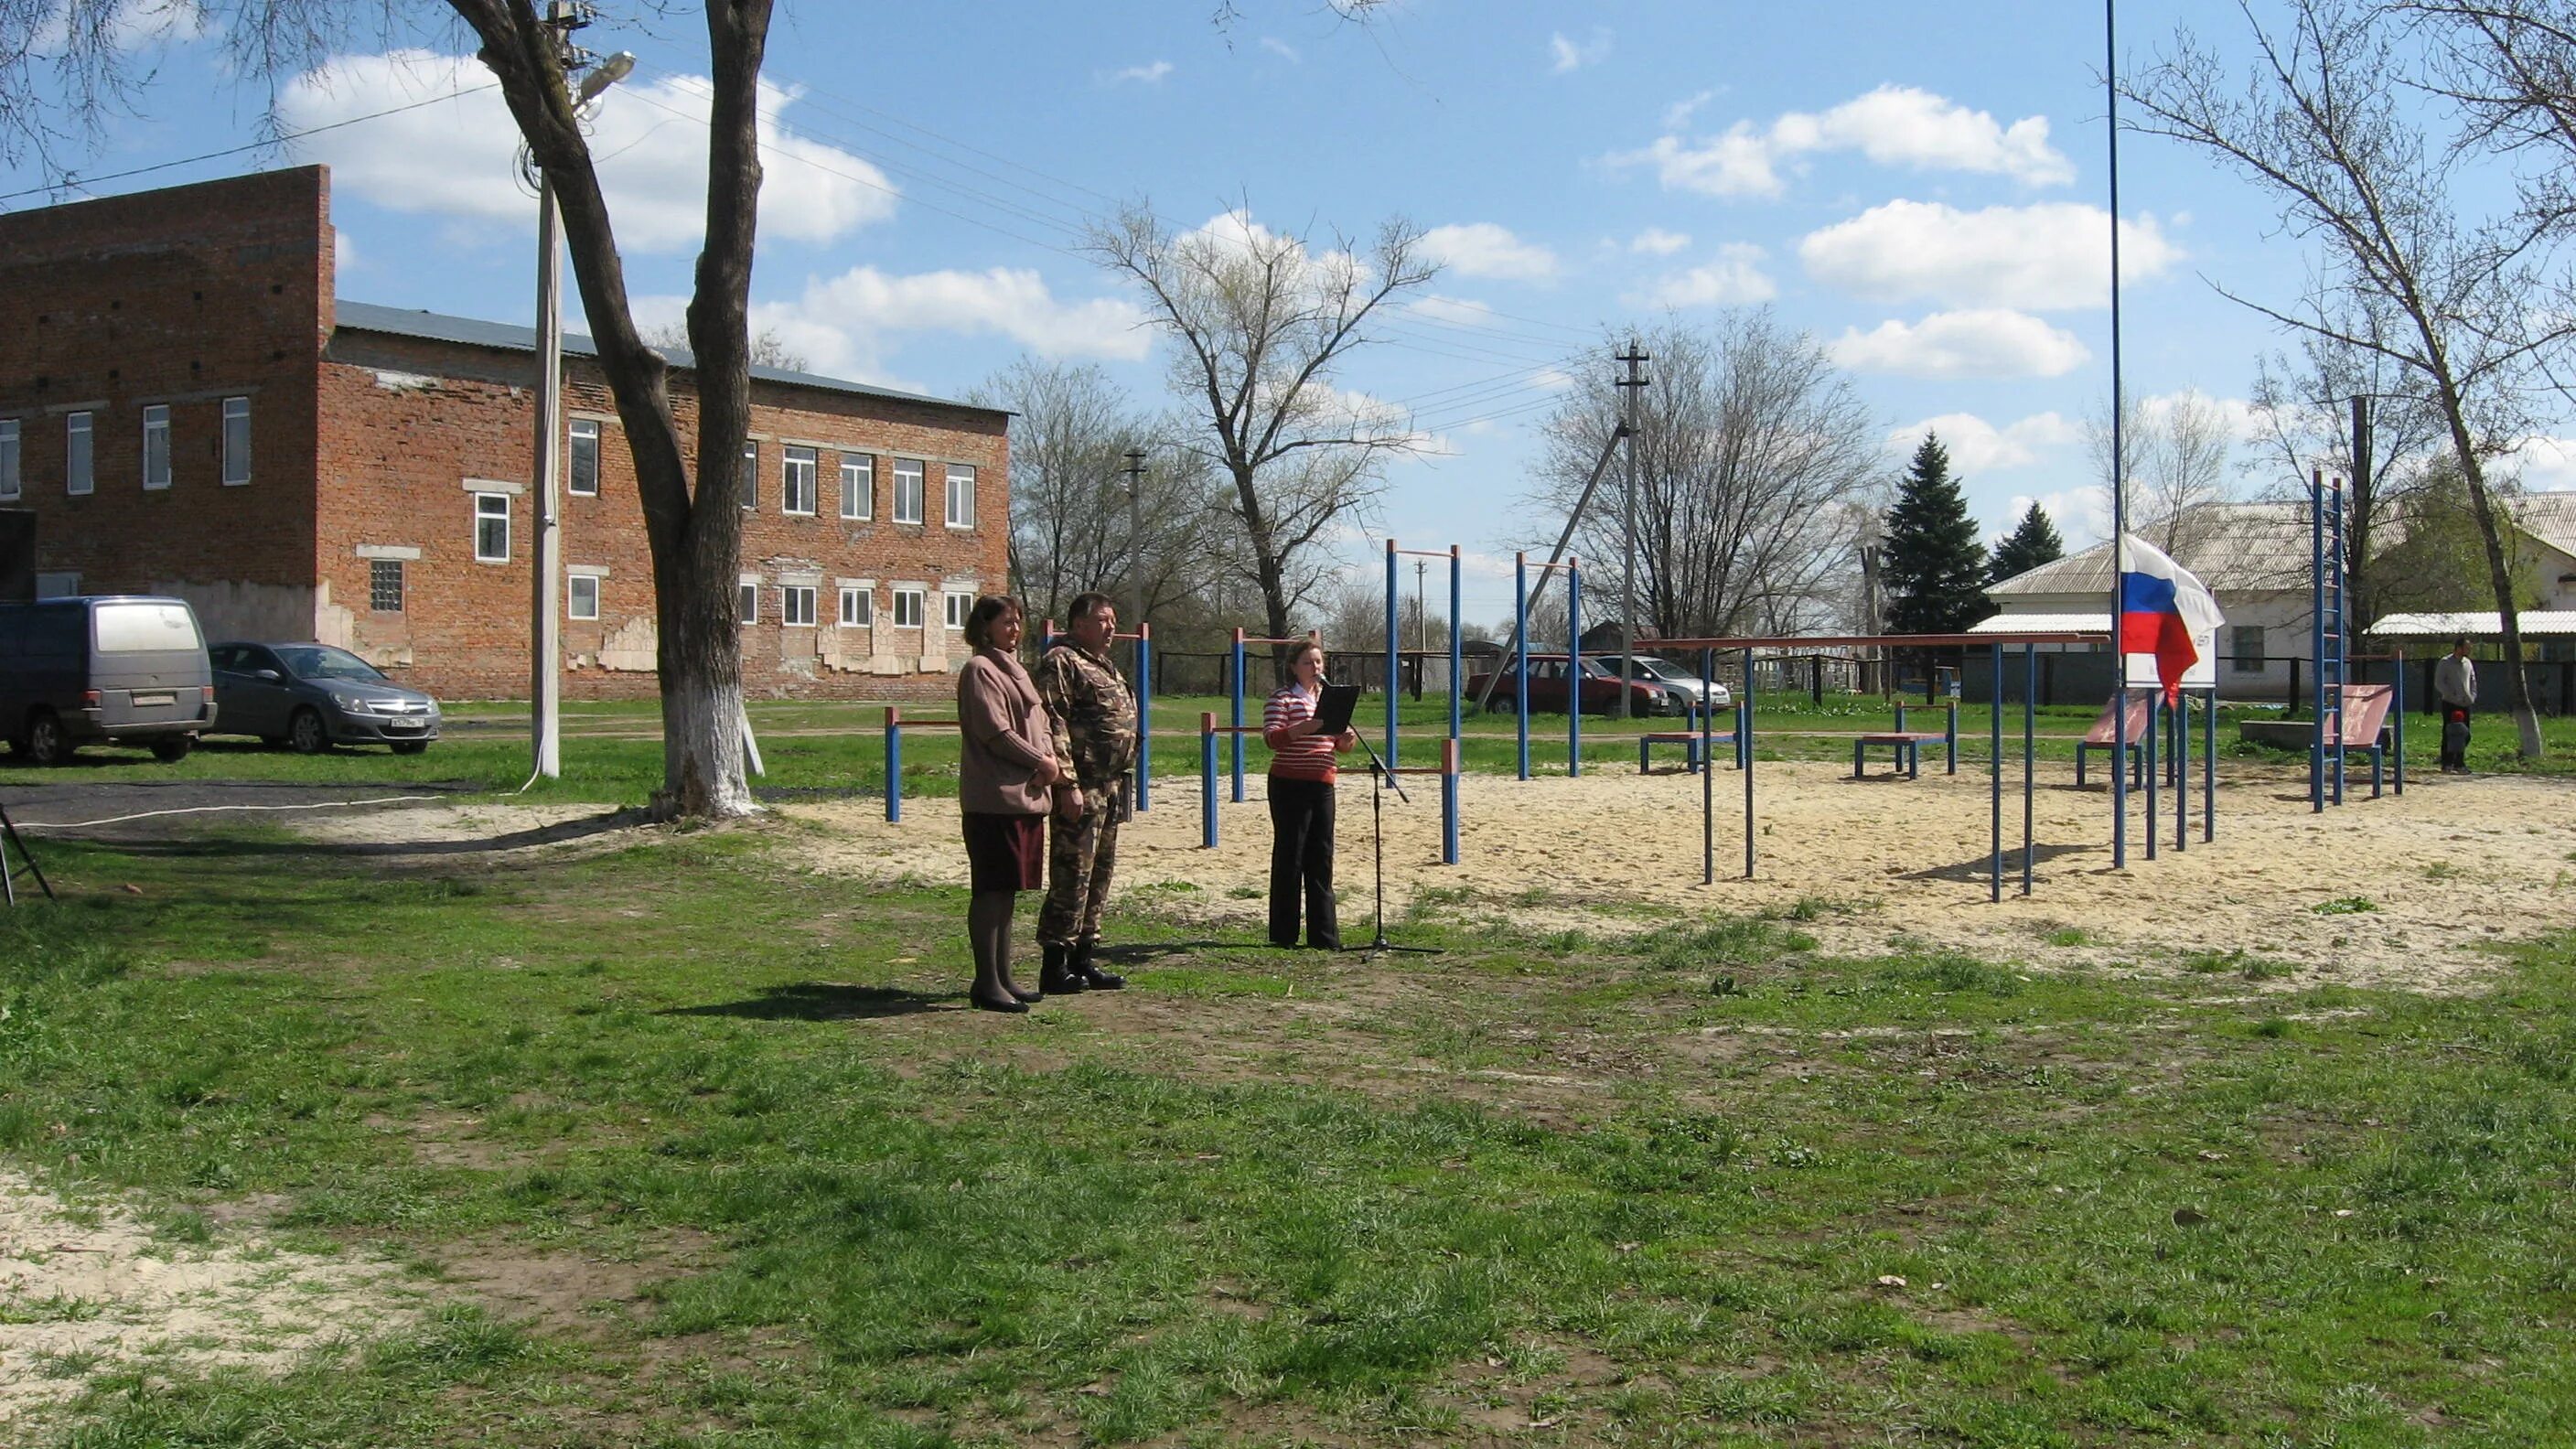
point(181, 297)
point(410, 419)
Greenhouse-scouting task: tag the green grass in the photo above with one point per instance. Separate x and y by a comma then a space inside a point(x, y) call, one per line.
point(1268, 1197)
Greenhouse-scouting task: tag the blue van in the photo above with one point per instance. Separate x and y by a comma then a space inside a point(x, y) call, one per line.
point(112, 669)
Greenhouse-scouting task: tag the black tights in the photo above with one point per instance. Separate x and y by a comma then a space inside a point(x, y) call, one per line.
point(988, 930)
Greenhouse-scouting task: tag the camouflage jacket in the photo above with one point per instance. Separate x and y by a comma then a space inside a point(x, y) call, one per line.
point(1093, 712)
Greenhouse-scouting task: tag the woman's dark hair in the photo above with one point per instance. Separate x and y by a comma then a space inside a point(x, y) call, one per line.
point(1298, 650)
point(986, 610)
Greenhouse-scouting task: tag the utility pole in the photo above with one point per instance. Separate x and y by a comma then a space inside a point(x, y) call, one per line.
point(1136, 546)
point(1631, 388)
point(1421, 627)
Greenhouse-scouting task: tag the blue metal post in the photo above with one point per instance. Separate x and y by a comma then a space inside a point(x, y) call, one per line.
point(2342, 632)
point(1995, 728)
point(1707, 769)
point(1744, 717)
point(2209, 771)
point(1144, 716)
point(2182, 773)
point(894, 763)
point(1573, 667)
point(1393, 640)
point(1457, 644)
point(2029, 752)
point(1950, 730)
point(1238, 716)
point(1449, 802)
point(1520, 657)
point(2397, 721)
point(1207, 779)
point(2317, 641)
point(2154, 782)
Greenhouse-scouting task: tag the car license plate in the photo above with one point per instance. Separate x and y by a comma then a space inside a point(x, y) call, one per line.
point(405, 724)
point(150, 699)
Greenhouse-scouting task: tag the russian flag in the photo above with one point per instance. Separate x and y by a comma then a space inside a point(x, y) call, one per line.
point(2163, 608)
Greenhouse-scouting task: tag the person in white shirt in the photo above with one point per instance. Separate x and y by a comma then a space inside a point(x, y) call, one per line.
point(2455, 684)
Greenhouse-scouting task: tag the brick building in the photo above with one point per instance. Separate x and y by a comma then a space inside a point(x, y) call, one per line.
point(189, 410)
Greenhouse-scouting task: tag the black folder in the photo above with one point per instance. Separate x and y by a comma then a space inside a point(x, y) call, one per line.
point(1333, 710)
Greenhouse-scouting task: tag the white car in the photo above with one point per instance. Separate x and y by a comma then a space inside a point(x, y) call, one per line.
point(1684, 682)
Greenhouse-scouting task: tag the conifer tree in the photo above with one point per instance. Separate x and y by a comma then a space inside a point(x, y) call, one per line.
point(1935, 569)
point(2032, 542)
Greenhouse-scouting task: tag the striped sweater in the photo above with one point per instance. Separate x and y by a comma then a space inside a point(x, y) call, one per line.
point(1306, 758)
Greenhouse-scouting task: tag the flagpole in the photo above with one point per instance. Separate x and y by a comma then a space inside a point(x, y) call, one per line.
point(2119, 468)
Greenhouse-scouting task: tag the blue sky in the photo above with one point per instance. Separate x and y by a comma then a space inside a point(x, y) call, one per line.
point(1921, 190)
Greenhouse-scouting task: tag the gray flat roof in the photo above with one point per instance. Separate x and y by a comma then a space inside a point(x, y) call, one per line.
point(507, 337)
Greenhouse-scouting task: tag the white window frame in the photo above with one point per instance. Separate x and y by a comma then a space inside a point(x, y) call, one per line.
point(583, 430)
point(491, 508)
point(156, 446)
point(920, 471)
point(11, 480)
point(236, 442)
point(859, 503)
point(858, 607)
point(919, 599)
point(961, 517)
point(796, 606)
point(80, 455)
point(957, 607)
point(747, 600)
point(748, 479)
point(402, 585)
point(797, 463)
point(572, 596)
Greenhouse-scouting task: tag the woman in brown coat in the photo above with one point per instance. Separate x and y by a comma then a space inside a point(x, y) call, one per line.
point(1004, 773)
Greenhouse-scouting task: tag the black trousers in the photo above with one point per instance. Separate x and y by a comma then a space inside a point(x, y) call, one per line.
point(2455, 738)
point(1301, 862)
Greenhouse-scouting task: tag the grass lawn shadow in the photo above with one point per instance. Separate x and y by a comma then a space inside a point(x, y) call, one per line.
point(827, 1001)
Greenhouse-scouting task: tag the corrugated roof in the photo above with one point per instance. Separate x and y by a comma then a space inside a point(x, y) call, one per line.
point(2233, 547)
point(2474, 623)
point(507, 337)
point(2044, 624)
point(2548, 517)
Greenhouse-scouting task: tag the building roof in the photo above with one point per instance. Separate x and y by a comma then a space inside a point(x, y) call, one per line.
point(2477, 624)
point(508, 337)
point(2099, 623)
point(2548, 517)
point(2233, 547)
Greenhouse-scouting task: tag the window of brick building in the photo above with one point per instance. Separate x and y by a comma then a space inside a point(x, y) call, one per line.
point(907, 608)
point(796, 606)
point(796, 481)
point(959, 606)
point(385, 585)
point(585, 457)
point(581, 596)
point(77, 477)
point(491, 528)
point(236, 441)
point(858, 607)
point(907, 490)
point(748, 480)
point(748, 598)
point(156, 446)
point(961, 496)
point(9, 482)
point(2246, 648)
point(858, 486)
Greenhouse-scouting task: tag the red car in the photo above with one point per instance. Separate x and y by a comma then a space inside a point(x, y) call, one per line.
point(1547, 689)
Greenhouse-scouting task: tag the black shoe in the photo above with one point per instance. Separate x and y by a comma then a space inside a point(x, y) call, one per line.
point(1092, 976)
point(1054, 977)
point(987, 1003)
point(1023, 994)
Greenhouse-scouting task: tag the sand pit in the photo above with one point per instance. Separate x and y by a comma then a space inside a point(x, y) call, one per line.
point(2453, 868)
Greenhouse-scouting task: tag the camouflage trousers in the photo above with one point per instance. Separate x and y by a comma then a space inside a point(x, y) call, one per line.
point(1082, 855)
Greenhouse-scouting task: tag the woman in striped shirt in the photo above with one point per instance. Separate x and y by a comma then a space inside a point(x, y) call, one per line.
point(1301, 803)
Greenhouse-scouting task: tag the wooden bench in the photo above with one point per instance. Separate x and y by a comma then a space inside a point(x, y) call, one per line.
point(1906, 744)
point(1689, 741)
point(2365, 720)
point(2100, 737)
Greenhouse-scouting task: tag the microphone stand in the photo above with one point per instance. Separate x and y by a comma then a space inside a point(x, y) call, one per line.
point(1383, 779)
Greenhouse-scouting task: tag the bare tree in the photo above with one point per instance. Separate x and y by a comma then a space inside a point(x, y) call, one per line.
point(768, 349)
point(1749, 443)
point(2328, 125)
point(1259, 325)
point(56, 90)
point(2178, 449)
point(1070, 514)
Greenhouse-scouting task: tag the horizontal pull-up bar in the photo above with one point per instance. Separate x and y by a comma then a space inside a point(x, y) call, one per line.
point(1882, 641)
point(1425, 552)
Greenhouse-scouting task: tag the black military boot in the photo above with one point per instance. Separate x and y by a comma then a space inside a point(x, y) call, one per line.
point(1055, 978)
point(1088, 974)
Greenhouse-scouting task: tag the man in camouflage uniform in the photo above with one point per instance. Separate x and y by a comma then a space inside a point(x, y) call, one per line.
point(1094, 716)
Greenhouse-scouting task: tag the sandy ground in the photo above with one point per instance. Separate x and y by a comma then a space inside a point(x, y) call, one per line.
point(2453, 867)
point(91, 1289)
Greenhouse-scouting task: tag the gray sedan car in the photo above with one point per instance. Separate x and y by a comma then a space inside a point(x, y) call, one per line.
point(313, 696)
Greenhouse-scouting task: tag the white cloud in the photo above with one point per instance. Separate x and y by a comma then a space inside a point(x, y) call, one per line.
point(458, 159)
point(2545, 464)
point(1734, 278)
point(1987, 342)
point(2051, 256)
point(1565, 55)
point(1977, 446)
point(1892, 126)
point(131, 27)
point(345, 256)
point(1679, 113)
point(1281, 48)
point(1148, 74)
point(1654, 241)
point(1482, 249)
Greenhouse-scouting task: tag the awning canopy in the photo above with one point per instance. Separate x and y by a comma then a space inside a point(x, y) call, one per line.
point(2477, 624)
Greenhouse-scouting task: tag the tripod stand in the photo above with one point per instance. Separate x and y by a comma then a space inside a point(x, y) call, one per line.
point(1382, 779)
point(24, 865)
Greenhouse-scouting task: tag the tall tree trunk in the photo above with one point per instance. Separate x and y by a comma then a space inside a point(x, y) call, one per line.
point(2526, 721)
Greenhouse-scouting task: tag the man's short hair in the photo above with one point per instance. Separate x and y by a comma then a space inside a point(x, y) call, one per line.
point(1085, 605)
point(2460, 643)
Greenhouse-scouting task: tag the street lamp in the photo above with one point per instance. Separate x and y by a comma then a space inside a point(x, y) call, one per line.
point(545, 649)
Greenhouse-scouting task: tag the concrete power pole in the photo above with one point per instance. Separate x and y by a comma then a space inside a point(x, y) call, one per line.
point(1136, 547)
point(1631, 387)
